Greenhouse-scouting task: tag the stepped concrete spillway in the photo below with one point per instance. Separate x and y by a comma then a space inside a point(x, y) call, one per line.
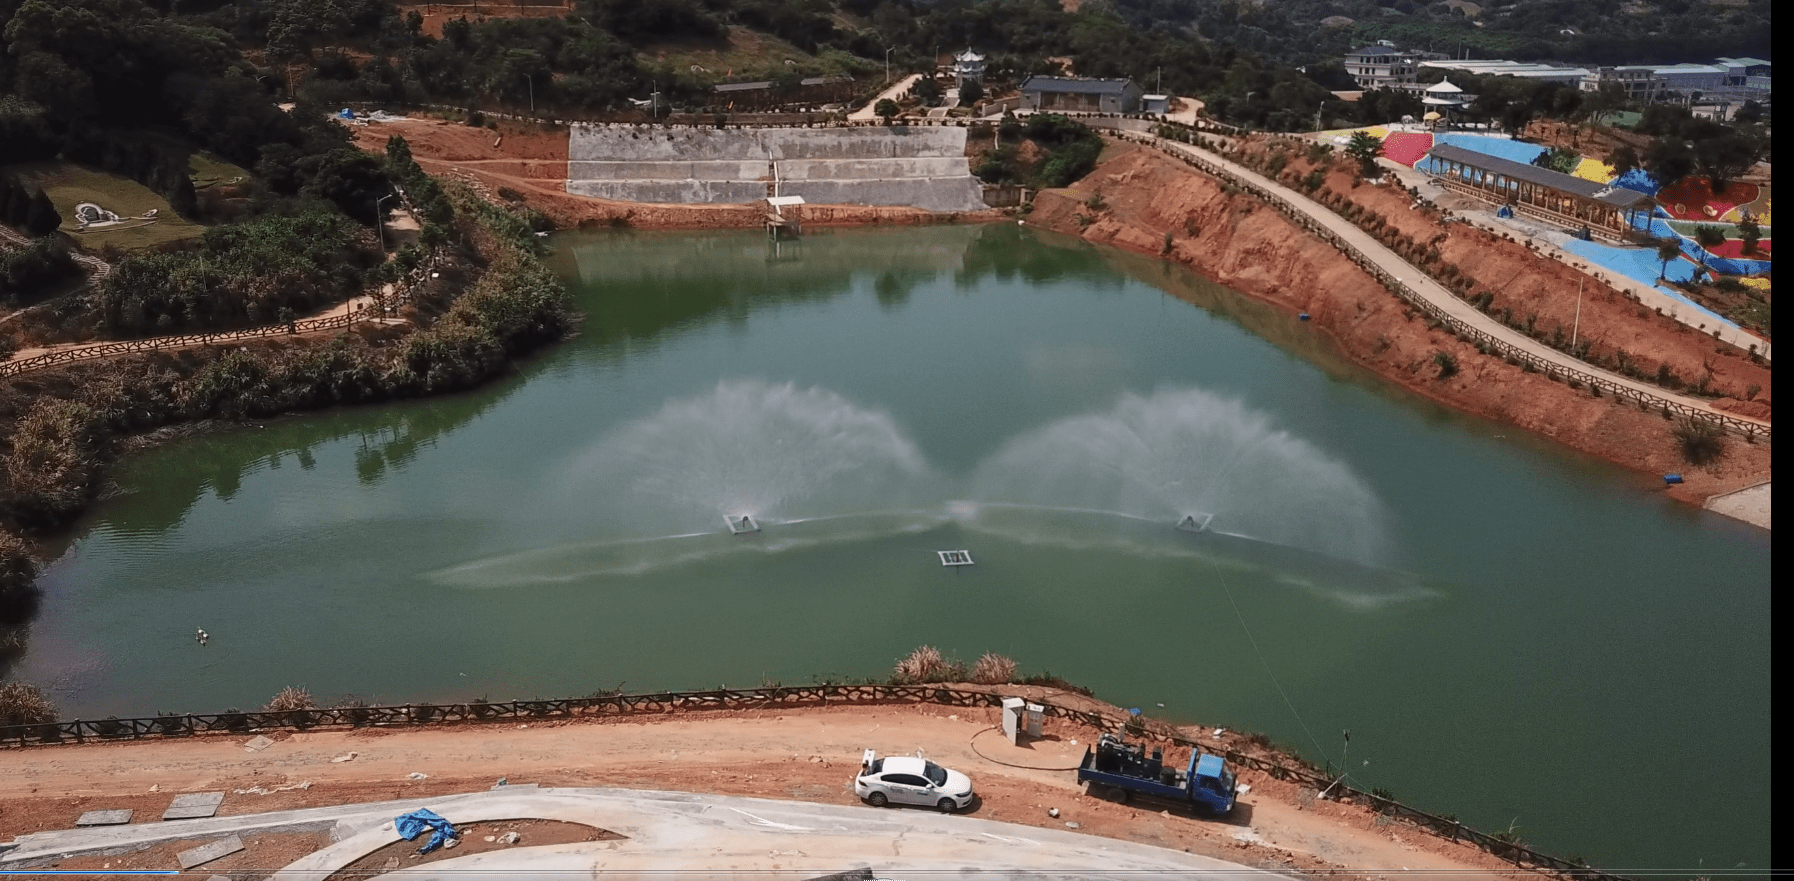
point(885, 165)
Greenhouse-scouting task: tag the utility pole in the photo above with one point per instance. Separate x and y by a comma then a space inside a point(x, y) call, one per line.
point(888, 65)
point(1577, 324)
point(378, 225)
point(532, 94)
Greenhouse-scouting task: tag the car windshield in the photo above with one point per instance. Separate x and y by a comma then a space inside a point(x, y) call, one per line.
point(936, 774)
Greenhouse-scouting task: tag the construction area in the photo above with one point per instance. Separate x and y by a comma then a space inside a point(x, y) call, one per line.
point(916, 167)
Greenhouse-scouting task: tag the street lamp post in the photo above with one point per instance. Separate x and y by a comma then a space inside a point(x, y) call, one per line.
point(378, 225)
point(532, 93)
point(888, 64)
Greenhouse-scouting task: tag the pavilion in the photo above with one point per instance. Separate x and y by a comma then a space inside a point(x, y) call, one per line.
point(1604, 210)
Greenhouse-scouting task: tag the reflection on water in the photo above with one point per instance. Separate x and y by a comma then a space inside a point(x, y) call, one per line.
point(1464, 604)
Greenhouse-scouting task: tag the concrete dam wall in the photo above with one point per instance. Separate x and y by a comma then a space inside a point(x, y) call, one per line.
point(896, 165)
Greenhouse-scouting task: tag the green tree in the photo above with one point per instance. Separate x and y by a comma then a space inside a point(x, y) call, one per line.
point(886, 109)
point(1725, 157)
point(1668, 248)
point(928, 91)
point(1365, 148)
point(1669, 159)
point(1623, 159)
point(1515, 117)
point(1750, 232)
point(970, 94)
point(41, 218)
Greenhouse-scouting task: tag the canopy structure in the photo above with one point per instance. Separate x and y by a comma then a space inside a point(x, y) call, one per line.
point(1603, 209)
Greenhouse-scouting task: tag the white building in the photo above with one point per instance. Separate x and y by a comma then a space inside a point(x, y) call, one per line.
point(1641, 84)
point(1569, 76)
point(1380, 66)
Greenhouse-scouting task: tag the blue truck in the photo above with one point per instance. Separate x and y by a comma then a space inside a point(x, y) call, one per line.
point(1122, 770)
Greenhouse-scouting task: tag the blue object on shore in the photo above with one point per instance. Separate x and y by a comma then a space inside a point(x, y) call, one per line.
point(412, 825)
point(1302, 316)
point(1672, 478)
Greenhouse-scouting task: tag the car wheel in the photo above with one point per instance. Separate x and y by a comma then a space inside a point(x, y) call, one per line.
point(947, 806)
point(1120, 794)
point(877, 800)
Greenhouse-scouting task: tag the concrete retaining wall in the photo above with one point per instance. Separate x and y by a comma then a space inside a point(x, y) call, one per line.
point(898, 165)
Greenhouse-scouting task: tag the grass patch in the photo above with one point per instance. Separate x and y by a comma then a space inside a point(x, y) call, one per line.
point(70, 184)
point(208, 170)
point(748, 54)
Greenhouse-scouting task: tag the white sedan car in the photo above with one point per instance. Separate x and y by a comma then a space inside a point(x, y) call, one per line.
point(911, 781)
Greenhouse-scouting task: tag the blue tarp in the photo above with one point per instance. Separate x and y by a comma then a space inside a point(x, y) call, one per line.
point(1515, 151)
point(1639, 180)
point(1723, 265)
point(346, 113)
point(412, 825)
point(1641, 264)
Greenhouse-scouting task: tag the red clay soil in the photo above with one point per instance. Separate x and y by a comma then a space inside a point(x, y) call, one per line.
point(1534, 285)
point(533, 163)
point(1686, 199)
point(436, 14)
point(1239, 242)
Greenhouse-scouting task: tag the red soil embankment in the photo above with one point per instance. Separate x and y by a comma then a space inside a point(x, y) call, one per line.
point(533, 163)
point(1242, 243)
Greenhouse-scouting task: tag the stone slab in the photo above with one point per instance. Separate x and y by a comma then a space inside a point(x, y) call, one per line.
point(206, 853)
point(194, 806)
point(258, 743)
point(104, 818)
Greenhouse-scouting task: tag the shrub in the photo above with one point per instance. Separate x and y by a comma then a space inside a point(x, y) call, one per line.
point(291, 698)
point(1448, 364)
point(993, 669)
point(926, 664)
point(23, 704)
point(1701, 441)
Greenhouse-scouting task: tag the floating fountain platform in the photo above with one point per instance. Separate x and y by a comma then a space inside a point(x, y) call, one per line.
point(1195, 522)
point(743, 525)
point(955, 558)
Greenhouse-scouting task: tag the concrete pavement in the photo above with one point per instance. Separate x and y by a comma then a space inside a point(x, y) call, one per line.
point(673, 834)
point(866, 114)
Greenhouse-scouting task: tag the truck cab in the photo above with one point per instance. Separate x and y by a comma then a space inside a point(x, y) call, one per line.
point(1213, 783)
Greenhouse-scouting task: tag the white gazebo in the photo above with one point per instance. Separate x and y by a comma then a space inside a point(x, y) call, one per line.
point(1443, 100)
point(967, 65)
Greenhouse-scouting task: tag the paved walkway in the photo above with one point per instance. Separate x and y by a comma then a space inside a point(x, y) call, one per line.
point(1411, 276)
point(668, 834)
point(866, 114)
point(1750, 504)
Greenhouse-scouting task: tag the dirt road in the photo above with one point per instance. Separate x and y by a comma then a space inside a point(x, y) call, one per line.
point(806, 755)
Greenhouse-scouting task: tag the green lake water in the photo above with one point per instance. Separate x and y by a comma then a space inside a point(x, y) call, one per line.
point(1511, 632)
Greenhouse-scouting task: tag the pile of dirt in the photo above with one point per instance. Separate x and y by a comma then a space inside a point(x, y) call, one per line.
point(1238, 241)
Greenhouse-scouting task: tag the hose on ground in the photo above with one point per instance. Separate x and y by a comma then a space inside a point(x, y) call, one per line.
point(973, 743)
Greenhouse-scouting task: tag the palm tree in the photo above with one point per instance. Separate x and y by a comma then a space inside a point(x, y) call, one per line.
point(1365, 147)
point(1668, 248)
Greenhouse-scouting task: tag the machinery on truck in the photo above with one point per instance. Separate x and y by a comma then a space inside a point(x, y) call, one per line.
point(1122, 770)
